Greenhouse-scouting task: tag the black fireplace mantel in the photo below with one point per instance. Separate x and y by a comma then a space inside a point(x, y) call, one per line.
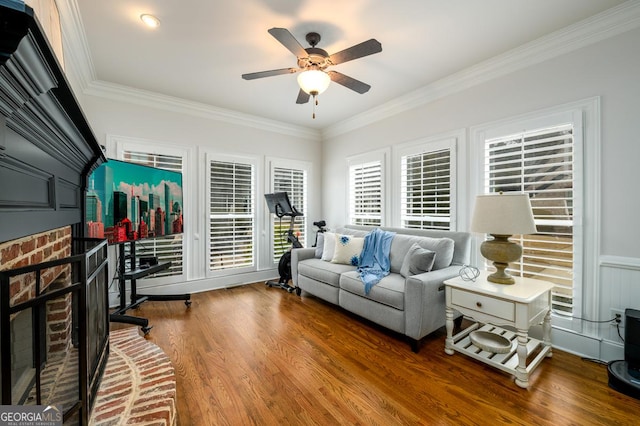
point(47, 148)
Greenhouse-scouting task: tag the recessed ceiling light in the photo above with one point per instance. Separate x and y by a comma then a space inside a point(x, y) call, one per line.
point(150, 20)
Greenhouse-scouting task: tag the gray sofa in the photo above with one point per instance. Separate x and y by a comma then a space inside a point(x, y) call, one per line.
point(413, 306)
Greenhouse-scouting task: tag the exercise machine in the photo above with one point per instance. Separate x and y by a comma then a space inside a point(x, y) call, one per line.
point(321, 229)
point(279, 204)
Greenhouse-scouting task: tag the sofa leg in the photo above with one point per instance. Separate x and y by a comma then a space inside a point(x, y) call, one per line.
point(415, 345)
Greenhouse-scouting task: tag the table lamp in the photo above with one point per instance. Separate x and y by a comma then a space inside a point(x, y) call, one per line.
point(502, 215)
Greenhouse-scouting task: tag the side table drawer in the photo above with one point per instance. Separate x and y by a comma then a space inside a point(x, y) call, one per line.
point(487, 305)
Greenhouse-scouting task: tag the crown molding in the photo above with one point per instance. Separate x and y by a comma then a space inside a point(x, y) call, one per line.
point(79, 59)
point(77, 54)
point(169, 103)
point(609, 23)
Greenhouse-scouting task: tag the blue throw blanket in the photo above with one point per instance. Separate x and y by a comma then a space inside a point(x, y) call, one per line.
point(374, 261)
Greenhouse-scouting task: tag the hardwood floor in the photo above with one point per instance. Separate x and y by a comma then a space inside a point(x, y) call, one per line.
point(258, 355)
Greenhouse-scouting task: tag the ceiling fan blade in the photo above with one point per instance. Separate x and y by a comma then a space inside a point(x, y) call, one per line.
point(349, 82)
point(303, 97)
point(262, 74)
point(289, 41)
point(365, 48)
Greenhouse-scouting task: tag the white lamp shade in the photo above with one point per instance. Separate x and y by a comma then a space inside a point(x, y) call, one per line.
point(314, 82)
point(503, 214)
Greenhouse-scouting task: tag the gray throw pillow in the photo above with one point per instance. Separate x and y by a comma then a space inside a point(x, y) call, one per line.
point(319, 245)
point(417, 261)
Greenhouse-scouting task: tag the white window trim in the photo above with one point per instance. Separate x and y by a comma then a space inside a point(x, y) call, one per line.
point(585, 115)
point(384, 157)
point(116, 146)
point(210, 155)
point(271, 164)
point(423, 145)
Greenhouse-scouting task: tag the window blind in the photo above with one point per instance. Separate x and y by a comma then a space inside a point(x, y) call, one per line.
point(540, 163)
point(365, 193)
point(426, 190)
point(294, 183)
point(168, 248)
point(231, 215)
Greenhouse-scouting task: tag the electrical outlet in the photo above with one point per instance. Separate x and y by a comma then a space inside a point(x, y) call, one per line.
point(620, 313)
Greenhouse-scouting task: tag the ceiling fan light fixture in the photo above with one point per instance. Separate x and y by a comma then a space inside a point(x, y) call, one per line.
point(150, 20)
point(314, 82)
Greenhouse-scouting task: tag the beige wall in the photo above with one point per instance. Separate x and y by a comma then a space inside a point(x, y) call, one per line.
point(46, 12)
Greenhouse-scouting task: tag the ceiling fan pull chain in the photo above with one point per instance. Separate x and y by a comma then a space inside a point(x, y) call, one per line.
point(315, 102)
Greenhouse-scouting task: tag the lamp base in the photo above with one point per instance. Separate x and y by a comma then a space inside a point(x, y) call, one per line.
point(501, 251)
point(501, 276)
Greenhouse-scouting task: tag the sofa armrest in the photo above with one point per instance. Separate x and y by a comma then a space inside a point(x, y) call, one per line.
point(424, 301)
point(298, 255)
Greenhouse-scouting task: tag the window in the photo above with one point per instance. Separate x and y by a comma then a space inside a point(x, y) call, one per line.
point(231, 215)
point(427, 182)
point(541, 163)
point(293, 181)
point(166, 248)
point(366, 190)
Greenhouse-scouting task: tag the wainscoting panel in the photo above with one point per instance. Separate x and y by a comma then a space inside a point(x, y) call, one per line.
point(619, 289)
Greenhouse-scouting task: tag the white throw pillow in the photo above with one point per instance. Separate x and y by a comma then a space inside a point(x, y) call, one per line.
point(329, 246)
point(347, 249)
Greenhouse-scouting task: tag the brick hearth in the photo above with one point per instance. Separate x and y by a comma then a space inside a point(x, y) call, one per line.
point(138, 386)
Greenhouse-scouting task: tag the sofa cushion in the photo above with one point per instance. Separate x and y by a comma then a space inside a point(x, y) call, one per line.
point(326, 272)
point(349, 231)
point(443, 247)
point(389, 291)
point(329, 246)
point(417, 261)
point(348, 249)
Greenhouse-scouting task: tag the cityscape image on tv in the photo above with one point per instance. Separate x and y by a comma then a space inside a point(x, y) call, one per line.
point(127, 201)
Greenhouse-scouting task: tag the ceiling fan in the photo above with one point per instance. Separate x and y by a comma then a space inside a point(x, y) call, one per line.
point(313, 63)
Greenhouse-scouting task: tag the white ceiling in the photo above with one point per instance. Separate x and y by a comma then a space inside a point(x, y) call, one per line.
point(203, 46)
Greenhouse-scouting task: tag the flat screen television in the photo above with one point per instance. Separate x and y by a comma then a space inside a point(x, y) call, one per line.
point(128, 202)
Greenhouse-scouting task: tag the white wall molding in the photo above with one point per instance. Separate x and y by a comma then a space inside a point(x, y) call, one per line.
point(607, 24)
point(212, 283)
point(145, 98)
point(77, 55)
point(79, 58)
point(610, 351)
point(620, 262)
point(586, 346)
point(614, 21)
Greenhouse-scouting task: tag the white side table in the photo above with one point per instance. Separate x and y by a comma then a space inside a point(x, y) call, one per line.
point(519, 305)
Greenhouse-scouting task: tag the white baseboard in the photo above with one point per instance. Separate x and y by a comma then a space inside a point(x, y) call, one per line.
point(586, 346)
point(199, 286)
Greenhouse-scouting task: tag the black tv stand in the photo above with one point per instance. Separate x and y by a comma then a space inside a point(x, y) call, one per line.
point(130, 271)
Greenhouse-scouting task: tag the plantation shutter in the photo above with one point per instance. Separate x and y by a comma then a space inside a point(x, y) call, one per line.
point(540, 163)
point(169, 247)
point(231, 215)
point(294, 183)
point(365, 193)
point(426, 190)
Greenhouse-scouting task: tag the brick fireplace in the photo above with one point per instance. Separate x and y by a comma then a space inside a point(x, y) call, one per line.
point(56, 320)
